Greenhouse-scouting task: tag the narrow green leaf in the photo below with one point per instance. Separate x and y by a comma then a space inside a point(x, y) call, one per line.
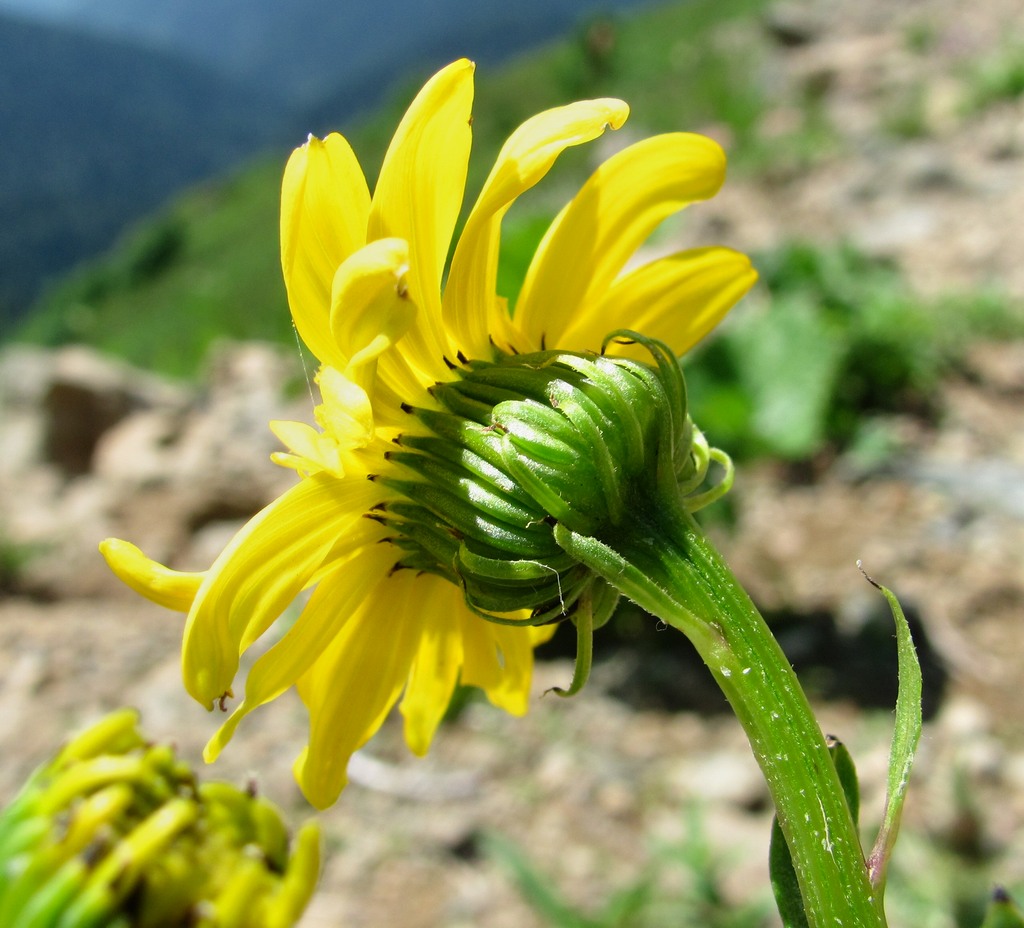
point(784, 883)
point(780, 863)
point(536, 889)
point(905, 736)
point(843, 760)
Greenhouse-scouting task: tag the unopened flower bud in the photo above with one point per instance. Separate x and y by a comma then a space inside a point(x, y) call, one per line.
point(116, 831)
point(530, 441)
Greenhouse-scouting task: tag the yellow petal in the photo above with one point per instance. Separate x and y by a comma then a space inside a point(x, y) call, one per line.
point(499, 659)
point(435, 668)
point(616, 210)
point(309, 451)
point(340, 593)
point(418, 198)
point(541, 634)
point(355, 683)
point(511, 691)
point(324, 207)
point(370, 305)
point(172, 589)
point(345, 413)
point(260, 571)
point(481, 661)
point(678, 299)
point(470, 308)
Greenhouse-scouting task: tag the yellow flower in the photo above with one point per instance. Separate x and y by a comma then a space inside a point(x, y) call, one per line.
point(369, 295)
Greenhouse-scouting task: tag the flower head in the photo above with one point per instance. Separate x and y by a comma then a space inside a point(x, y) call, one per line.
point(403, 505)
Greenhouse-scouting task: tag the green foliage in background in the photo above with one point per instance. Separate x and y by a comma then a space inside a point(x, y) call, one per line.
point(683, 884)
point(842, 340)
point(207, 268)
point(14, 558)
point(933, 884)
point(997, 77)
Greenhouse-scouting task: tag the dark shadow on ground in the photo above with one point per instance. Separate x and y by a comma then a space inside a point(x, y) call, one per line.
point(853, 660)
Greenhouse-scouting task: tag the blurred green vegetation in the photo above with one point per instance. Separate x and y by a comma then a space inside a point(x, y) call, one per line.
point(683, 884)
point(14, 557)
point(936, 881)
point(206, 268)
point(997, 77)
point(842, 341)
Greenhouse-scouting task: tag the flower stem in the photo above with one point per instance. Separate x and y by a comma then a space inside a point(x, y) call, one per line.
point(662, 560)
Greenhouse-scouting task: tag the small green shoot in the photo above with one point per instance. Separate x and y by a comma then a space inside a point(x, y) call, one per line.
point(906, 735)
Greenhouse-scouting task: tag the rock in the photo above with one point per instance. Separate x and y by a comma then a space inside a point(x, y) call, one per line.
point(87, 394)
point(791, 25)
point(724, 776)
point(94, 448)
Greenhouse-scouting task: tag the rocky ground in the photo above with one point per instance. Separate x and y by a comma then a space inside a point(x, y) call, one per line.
point(643, 766)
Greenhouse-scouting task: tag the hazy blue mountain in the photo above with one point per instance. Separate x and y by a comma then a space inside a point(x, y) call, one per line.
point(109, 106)
point(301, 49)
point(96, 132)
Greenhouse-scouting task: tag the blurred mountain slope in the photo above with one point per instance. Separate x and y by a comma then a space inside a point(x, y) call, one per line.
point(301, 49)
point(97, 132)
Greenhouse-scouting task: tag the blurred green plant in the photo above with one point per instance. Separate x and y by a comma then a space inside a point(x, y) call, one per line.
point(205, 269)
point(905, 115)
point(997, 77)
point(921, 35)
point(931, 886)
point(690, 867)
point(843, 340)
point(14, 558)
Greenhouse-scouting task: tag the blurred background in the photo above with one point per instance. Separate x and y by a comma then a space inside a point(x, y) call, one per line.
point(870, 390)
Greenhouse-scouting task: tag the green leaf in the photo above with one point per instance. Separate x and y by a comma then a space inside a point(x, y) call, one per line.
point(791, 358)
point(905, 736)
point(780, 863)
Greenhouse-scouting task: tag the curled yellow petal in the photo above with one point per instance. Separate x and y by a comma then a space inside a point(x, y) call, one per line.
point(345, 413)
point(340, 593)
point(355, 683)
point(309, 451)
point(678, 299)
point(261, 570)
point(590, 241)
point(418, 198)
point(499, 660)
point(370, 304)
point(172, 589)
point(470, 309)
point(324, 208)
point(435, 668)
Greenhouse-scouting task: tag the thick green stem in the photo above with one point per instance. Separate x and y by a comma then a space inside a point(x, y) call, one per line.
point(662, 560)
